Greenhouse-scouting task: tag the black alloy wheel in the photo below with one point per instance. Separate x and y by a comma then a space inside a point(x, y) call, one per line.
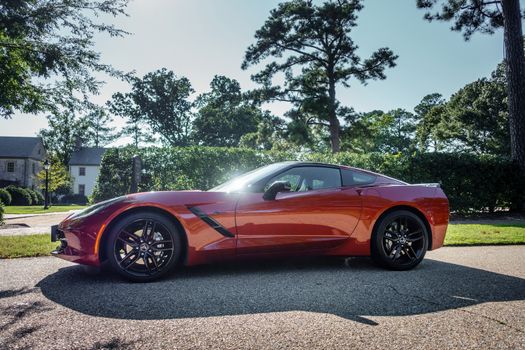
point(143, 246)
point(400, 240)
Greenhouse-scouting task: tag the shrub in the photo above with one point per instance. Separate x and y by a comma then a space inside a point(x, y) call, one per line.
point(5, 196)
point(19, 196)
point(34, 197)
point(1, 213)
point(74, 199)
point(40, 198)
point(471, 182)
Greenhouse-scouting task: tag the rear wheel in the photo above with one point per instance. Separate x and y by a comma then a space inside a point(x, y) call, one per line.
point(143, 246)
point(400, 240)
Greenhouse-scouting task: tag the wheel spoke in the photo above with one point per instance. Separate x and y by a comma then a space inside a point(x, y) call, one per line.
point(153, 258)
point(131, 262)
point(147, 230)
point(412, 251)
point(146, 263)
point(129, 238)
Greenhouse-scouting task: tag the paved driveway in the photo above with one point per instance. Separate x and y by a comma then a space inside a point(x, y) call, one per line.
point(458, 298)
point(35, 223)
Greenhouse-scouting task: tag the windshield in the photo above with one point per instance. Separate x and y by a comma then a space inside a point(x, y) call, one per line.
point(241, 183)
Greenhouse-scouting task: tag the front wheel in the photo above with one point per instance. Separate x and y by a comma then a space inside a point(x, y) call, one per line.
point(143, 246)
point(400, 240)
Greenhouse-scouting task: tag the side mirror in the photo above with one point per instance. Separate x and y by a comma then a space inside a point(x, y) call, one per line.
point(276, 187)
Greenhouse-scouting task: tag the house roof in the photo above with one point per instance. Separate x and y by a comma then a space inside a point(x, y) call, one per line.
point(22, 147)
point(87, 156)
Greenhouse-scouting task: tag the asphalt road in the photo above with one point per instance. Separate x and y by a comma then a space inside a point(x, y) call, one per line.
point(464, 298)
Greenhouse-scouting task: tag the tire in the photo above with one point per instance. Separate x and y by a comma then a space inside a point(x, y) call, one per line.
point(143, 246)
point(399, 241)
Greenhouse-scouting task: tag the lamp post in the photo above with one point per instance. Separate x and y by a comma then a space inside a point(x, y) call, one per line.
point(47, 165)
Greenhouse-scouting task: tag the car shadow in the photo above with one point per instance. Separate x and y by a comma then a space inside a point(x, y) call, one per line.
point(349, 290)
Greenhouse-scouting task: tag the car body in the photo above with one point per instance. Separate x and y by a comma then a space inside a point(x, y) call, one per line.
point(317, 209)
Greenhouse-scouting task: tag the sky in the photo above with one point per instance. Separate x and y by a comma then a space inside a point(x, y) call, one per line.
point(202, 38)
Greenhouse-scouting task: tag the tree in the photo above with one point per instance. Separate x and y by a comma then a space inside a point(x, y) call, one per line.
point(65, 130)
point(224, 115)
point(428, 113)
point(376, 131)
point(470, 16)
point(44, 43)
point(160, 100)
point(318, 55)
point(59, 177)
point(136, 127)
point(478, 117)
point(99, 132)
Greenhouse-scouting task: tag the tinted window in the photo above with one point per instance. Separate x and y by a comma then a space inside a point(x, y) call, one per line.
point(352, 178)
point(309, 178)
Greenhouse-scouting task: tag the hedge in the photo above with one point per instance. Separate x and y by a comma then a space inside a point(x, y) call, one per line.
point(1, 213)
point(5, 197)
point(471, 182)
point(79, 199)
point(19, 195)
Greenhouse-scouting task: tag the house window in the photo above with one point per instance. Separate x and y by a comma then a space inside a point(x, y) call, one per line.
point(82, 189)
point(34, 169)
point(10, 167)
point(81, 171)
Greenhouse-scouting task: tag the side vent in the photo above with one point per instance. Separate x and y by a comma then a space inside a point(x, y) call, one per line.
point(211, 222)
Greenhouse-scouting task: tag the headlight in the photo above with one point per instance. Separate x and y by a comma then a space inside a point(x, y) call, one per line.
point(95, 208)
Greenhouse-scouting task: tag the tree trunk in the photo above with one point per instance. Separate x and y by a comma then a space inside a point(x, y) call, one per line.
point(515, 70)
point(333, 121)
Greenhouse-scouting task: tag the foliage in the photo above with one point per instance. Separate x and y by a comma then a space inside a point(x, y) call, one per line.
point(224, 115)
point(470, 16)
point(376, 131)
point(34, 197)
point(136, 127)
point(99, 132)
point(66, 129)
point(1, 212)
point(46, 43)
point(472, 183)
point(59, 177)
point(78, 199)
point(5, 196)
point(160, 99)
point(318, 54)
point(19, 196)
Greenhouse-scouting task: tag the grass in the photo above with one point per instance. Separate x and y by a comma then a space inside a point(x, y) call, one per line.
point(26, 246)
point(457, 235)
point(484, 234)
point(38, 209)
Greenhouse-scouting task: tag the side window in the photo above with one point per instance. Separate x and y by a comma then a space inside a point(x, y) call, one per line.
point(81, 171)
point(309, 178)
point(356, 178)
point(10, 167)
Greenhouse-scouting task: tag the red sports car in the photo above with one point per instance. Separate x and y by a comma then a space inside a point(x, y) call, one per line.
point(278, 210)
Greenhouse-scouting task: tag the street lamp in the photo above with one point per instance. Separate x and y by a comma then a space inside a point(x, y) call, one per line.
point(47, 165)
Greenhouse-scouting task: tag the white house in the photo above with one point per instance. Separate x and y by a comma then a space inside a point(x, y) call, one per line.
point(84, 167)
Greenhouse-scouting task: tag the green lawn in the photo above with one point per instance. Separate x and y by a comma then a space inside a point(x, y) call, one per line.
point(26, 246)
point(39, 209)
point(457, 235)
point(483, 234)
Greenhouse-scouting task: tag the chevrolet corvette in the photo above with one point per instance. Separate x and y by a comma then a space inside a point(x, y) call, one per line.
point(282, 209)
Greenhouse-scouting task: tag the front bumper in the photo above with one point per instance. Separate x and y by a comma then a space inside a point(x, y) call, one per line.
point(75, 246)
